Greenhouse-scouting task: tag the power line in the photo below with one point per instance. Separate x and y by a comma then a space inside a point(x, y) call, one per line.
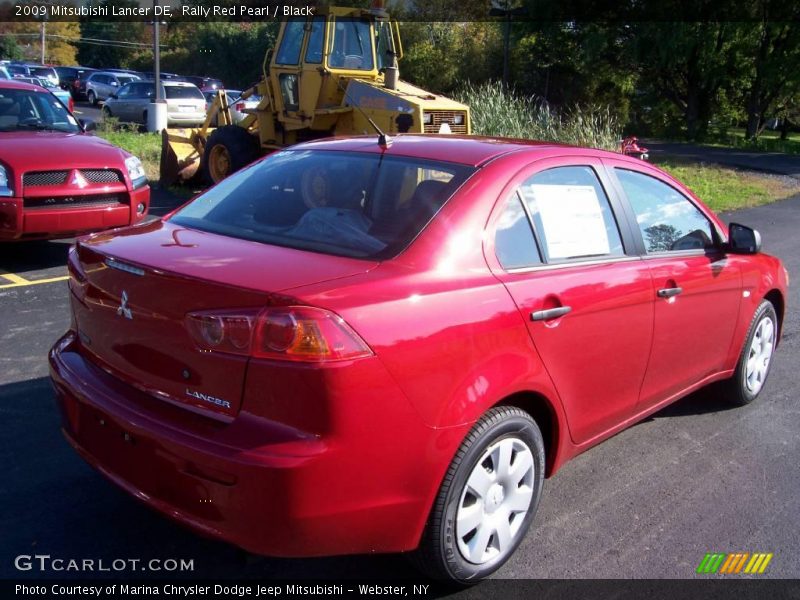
point(85, 40)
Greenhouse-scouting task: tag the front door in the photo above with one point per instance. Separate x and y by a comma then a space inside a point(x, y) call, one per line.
point(586, 297)
point(697, 288)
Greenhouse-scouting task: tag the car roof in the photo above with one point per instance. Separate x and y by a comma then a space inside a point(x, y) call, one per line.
point(13, 84)
point(467, 150)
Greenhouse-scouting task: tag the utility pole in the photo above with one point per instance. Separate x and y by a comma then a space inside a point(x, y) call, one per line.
point(42, 40)
point(157, 110)
point(502, 8)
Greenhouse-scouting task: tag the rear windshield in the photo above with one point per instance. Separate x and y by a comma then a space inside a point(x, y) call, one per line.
point(43, 71)
point(123, 79)
point(183, 92)
point(349, 204)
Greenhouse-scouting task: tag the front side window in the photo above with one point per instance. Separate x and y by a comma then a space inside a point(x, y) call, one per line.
point(668, 220)
point(352, 45)
point(315, 41)
point(289, 50)
point(342, 203)
point(571, 214)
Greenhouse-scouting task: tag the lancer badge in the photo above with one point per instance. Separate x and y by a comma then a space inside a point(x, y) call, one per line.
point(123, 310)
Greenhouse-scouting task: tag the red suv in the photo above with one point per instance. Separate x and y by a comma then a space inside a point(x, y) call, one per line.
point(354, 347)
point(56, 179)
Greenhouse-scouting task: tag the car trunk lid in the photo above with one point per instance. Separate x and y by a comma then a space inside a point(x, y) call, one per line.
point(138, 285)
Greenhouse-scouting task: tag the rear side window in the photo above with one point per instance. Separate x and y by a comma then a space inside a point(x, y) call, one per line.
point(571, 214)
point(183, 92)
point(668, 220)
point(514, 243)
point(342, 203)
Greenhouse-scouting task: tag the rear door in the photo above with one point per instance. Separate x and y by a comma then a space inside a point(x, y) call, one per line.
point(569, 261)
point(697, 288)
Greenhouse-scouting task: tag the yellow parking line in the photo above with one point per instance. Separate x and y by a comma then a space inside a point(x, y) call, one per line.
point(25, 282)
point(13, 278)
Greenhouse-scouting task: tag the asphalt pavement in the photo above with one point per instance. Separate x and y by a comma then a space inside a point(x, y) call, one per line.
point(694, 478)
point(768, 162)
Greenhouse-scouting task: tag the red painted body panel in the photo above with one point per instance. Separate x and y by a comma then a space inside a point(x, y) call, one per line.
point(24, 152)
point(344, 457)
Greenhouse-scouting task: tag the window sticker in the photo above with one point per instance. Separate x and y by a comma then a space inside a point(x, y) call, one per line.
point(572, 219)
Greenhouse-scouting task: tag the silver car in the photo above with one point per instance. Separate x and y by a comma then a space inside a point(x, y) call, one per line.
point(101, 85)
point(185, 103)
point(237, 104)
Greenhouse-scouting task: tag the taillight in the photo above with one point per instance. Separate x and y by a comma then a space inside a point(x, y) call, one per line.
point(240, 106)
point(295, 333)
point(71, 105)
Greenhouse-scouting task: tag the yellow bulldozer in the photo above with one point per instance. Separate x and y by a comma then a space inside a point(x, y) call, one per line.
point(333, 73)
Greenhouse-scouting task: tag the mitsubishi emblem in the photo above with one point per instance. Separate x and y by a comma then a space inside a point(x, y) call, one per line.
point(78, 179)
point(123, 310)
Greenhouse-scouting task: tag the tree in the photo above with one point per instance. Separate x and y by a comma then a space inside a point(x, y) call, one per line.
point(9, 49)
point(689, 64)
point(661, 237)
point(775, 48)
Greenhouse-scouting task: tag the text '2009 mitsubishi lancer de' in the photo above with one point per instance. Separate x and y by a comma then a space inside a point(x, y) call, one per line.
point(353, 347)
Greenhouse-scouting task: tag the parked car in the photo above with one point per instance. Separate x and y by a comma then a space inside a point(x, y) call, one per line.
point(69, 78)
point(168, 76)
point(47, 84)
point(4, 74)
point(100, 85)
point(185, 103)
point(235, 101)
point(57, 180)
point(18, 70)
point(361, 347)
point(44, 72)
point(79, 85)
point(205, 84)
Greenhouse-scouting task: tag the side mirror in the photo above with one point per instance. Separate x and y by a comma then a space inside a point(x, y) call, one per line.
point(743, 239)
point(88, 124)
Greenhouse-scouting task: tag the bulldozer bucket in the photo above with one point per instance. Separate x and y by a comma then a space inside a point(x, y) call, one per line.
point(181, 153)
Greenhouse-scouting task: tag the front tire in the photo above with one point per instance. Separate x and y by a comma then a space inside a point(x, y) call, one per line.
point(755, 359)
point(92, 98)
point(487, 500)
point(229, 148)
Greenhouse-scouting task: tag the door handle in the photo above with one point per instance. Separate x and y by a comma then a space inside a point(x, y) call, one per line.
point(669, 292)
point(550, 313)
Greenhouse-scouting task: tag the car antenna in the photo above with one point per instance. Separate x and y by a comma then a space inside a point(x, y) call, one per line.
point(384, 141)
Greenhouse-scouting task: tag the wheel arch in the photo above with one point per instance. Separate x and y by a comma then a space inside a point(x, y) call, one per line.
point(547, 418)
point(776, 298)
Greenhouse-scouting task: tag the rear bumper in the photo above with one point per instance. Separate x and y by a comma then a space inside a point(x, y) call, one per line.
point(19, 223)
point(261, 485)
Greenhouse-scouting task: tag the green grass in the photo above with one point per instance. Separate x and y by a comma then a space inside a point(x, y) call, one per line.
point(723, 188)
point(147, 146)
point(768, 141)
point(502, 112)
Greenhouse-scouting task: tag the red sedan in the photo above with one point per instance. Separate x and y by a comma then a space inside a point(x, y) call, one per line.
point(57, 180)
point(350, 347)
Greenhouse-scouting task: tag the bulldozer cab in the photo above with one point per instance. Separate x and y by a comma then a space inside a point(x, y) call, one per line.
point(314, 55)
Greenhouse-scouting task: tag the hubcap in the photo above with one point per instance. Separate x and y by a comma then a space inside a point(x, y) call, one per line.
point(495, 500)
point(759, 355)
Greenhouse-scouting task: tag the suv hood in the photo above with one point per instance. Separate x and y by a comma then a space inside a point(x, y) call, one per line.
point(25, 151)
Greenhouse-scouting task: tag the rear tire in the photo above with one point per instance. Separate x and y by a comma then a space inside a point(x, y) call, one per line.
point(755, 359)
point(487, 500)
point(92, 98)
point(228, 149)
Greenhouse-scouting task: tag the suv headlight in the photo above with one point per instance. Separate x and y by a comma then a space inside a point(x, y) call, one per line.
point(5, 186)
point(135, 171)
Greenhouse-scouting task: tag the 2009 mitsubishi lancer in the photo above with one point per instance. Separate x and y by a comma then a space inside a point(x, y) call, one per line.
point(352, 346)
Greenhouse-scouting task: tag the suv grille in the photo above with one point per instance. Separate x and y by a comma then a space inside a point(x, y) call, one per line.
point(446, 116)
point(45, 178)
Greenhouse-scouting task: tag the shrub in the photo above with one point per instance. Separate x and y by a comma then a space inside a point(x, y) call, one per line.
point(502, 112)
